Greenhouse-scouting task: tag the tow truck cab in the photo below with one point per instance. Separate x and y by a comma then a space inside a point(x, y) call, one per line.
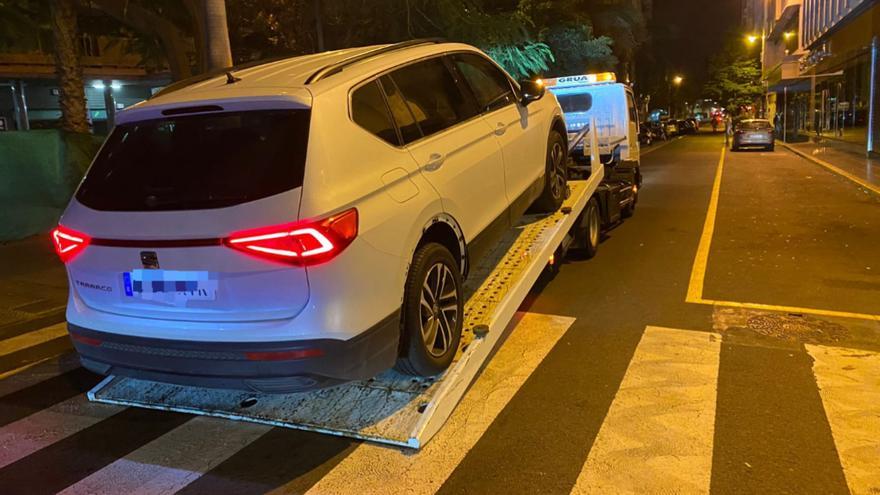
point(584, 98)
point(612, 104)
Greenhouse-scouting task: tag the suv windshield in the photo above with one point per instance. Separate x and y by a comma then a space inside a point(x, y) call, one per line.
point(580, 102)
point(198, 162)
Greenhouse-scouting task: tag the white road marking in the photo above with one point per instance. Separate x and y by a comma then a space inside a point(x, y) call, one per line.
point(377, 469)
point(658, 434)
point(41, 429)
point(30, 339)
point(173, 460)
point(849, 384)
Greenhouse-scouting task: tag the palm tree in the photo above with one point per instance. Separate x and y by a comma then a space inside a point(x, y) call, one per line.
point(72, 99)
point(216, 34)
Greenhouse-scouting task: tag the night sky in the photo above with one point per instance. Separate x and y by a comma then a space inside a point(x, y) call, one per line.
point(686, 34)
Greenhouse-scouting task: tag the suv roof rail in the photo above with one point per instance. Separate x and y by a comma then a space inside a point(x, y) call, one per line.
point(337, 67)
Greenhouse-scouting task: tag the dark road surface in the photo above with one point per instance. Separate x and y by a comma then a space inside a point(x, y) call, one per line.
point(773, 388)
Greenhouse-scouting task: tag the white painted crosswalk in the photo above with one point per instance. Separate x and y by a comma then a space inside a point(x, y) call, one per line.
point(657, 435)
point(849, 384)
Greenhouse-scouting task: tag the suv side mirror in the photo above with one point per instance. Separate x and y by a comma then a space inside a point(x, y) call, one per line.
point(531, 91)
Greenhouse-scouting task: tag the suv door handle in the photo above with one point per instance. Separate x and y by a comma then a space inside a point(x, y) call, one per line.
point(500, 128)
point(435, 161)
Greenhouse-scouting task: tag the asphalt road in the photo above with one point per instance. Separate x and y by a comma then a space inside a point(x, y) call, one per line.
point(767, 381)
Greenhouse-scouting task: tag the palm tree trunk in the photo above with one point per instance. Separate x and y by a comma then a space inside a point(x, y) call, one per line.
point(72, 99)
point(219, 55)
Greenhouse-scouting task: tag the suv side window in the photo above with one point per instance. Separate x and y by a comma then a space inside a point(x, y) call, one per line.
point(433, 96)
point(490, 86)
point(409, 129)
point(368, 110)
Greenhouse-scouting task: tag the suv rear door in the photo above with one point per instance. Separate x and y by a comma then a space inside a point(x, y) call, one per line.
point(455, 149)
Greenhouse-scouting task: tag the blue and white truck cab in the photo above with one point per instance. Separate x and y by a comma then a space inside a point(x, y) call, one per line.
point(600, 96)
point(611, 105)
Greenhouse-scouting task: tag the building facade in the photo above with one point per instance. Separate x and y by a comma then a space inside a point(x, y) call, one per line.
point(819, 60)
point(113, 77)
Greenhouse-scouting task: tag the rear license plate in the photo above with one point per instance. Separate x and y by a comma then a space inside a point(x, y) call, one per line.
point(169, 286)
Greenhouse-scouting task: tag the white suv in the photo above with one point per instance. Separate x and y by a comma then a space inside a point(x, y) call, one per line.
point(303, 222)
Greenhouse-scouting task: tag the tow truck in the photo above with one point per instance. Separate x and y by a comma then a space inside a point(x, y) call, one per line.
point(393, 408)
point(599, 101)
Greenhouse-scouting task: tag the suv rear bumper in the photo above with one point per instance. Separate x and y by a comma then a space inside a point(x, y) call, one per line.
point(269, 367)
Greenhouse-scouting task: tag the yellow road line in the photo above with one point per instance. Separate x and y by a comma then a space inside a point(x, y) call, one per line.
point(698, 272)
point(30, 339)
point(787, 309)
point(843, 173)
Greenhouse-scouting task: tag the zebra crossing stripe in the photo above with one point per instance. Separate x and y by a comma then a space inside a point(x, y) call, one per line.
point(376, 469)
point(849, 385)
point(30, 339)
point(50, 425)
point(658, 434)
point(173, 460)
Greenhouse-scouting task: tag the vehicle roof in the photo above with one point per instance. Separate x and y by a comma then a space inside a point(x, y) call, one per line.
point(289, 77)
point(744, 121)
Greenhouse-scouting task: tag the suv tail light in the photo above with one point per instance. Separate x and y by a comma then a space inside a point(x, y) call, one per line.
point(301, 243)
point(68, 242)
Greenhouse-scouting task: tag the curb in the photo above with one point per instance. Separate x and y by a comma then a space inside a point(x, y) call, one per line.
point(832, 168)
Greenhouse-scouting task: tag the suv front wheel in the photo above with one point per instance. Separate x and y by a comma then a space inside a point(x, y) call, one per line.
point(432, 312)
point(556, 176)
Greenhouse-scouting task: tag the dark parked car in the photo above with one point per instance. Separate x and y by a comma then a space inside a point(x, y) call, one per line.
point(686, 127)
point(658, 129)
point(753, 133)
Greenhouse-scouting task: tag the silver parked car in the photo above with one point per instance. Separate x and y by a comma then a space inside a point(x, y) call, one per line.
point(753, 132)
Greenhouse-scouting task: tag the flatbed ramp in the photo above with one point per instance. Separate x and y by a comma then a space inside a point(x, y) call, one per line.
point(391, 408)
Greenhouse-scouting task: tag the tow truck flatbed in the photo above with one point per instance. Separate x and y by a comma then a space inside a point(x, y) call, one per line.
point(391, 408)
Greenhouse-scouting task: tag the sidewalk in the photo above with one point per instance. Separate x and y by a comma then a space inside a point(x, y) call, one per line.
point(33, 284)
point(846, 157)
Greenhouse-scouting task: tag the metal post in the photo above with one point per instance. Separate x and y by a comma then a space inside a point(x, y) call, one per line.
point(872, 101)
point(785, 114)
point(20, 105)
point(109, 104)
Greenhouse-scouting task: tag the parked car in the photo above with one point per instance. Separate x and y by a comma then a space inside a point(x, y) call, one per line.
point(646, 134)
point(686, 127)
point(753, 133)
point(694, 123)
point(671, 127)
point(304, 222)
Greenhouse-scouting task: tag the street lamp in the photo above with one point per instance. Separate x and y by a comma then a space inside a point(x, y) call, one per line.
point(751, 39)
point(676, 81)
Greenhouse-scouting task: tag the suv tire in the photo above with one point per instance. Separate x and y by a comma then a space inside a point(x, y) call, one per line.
point(555, 177)
point(432, 312)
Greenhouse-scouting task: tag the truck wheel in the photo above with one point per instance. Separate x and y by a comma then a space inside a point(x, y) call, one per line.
point(555, 177)
point(593, 228)
point(432, 312)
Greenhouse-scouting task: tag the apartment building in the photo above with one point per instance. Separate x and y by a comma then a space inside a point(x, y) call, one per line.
point(819, 60)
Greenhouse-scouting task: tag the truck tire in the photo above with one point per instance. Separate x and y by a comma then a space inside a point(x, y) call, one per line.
point(555, 177)
point(432, 312)
point(593, 227)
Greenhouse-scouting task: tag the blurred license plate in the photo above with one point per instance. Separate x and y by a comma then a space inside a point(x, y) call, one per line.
point(171, 286)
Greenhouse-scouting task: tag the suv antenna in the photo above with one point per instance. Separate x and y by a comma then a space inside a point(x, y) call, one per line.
point(230, 79)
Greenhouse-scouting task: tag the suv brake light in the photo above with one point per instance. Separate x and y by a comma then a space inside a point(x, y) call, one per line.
point(68, 242)
point(300, 243)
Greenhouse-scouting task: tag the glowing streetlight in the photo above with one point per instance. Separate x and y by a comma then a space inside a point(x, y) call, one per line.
point(752, 39)
point(788, 35)
point(677, 80)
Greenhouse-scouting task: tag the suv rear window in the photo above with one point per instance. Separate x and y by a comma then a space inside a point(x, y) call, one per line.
point(754, 125)
point(198, 161)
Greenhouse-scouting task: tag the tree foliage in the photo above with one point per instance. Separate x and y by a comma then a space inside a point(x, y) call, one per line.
point(734, 76)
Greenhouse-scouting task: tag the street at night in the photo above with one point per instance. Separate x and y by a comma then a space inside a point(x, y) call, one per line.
point(767, 382)
point(439, 247)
